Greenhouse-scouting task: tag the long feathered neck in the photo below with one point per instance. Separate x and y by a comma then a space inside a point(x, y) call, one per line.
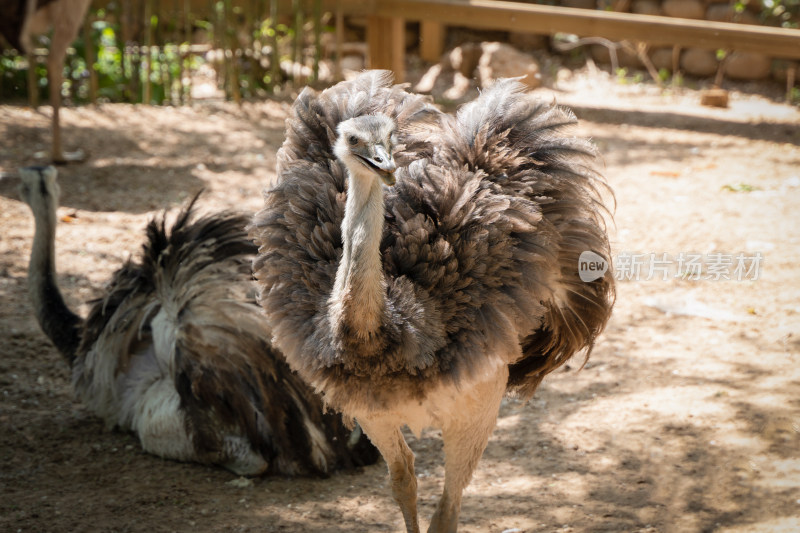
point(56, 320)
point(358, 298)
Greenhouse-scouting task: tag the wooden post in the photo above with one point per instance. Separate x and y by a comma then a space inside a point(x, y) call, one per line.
point(337, 72)
point(148, 53)
point(33, 80)
point(232, 46)
point(130, 53)
point(376, 39)
point(91, 58)
point(317, 13)
point(275, 60)
point(386, 41)
point(186, 55)
point(297, 52)
point(676, 59)
point(431, 40)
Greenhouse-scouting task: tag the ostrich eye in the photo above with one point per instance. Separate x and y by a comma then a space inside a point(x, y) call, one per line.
point(353, 140)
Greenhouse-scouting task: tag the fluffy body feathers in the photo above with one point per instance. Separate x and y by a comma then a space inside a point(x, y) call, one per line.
point(472, 259)
point(479, 248)
point(177, 350)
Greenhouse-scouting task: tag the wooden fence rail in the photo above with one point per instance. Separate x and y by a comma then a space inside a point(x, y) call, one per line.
point(541, 19)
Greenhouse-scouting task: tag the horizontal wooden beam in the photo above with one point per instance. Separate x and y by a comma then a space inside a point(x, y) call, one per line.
point(531, 18)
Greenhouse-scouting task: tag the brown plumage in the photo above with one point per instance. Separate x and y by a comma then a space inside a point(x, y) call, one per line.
point(422, 304)
point(178, 351)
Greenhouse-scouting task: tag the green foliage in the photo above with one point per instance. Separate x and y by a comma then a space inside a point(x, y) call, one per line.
point(14, 77)
point(784, 13)
point(120, 69)
point(624, 79)
point(740, 187)
point(794, 96)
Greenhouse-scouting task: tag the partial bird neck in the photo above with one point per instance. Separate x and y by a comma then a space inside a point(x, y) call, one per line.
point(358, 299)
point(42, 267)
point(55, 318)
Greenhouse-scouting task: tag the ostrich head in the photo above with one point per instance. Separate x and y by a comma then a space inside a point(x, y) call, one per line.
point(39, 189)
point(364, 146)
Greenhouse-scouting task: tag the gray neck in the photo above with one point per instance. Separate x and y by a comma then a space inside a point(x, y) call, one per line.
point(359, 292)
point(56, 320)
point(42, 264)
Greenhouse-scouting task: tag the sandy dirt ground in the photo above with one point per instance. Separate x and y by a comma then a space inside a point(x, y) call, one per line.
point(685, 419)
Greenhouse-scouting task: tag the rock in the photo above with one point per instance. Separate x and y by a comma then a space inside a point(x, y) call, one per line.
point(699, 62)
point(714, 97)
point(463, 59)
point(661, 58)
point(727, 13)
point(686, 9)
point(428, 80)
point(297, 71)
point(500, 60)
point(458, 89)
point(240, 483)
point(528, 41)
point(601, 54)
point(754, 6)
point(781, 68)
point(747, 66)
point(646, 7)
point(353, 62)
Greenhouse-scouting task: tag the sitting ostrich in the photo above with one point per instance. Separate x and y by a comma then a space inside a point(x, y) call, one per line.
point(176, 350)
point(24, 18)
point(422, 302)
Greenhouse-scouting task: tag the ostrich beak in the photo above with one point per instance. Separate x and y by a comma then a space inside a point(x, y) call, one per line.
point(379, 160)
point(383, 163)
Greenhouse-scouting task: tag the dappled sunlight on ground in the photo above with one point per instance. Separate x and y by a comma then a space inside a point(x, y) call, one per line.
point(686, 417)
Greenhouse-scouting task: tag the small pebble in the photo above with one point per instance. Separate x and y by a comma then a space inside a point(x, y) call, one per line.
point(240, 483)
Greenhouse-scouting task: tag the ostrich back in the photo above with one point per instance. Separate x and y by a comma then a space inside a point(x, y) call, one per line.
point(482, 235)
point(185, 311)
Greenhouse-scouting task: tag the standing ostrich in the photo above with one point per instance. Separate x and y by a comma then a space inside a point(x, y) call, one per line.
point(422, 304)
point(176, 350)
point(24, 18)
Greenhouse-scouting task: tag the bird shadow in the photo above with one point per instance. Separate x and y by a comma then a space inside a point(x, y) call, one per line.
point(105, 183)
point(780, 132)
point(677, 470)
point(149, 162)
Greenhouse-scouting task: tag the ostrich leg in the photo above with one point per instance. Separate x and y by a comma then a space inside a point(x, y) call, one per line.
point(66, 17)
point(386, 436)
point(465, 435)
point(55, 75)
